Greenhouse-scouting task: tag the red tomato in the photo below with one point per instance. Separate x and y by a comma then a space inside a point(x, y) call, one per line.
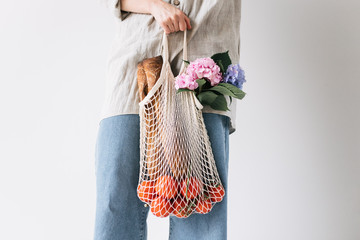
point(216, 193)
point(146, 191)
point(182, 208)
point(166, 186)
point(190, 187)
point(204, 206)
point(161, 207)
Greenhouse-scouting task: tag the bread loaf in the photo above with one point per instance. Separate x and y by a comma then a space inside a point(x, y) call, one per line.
point(148, 72)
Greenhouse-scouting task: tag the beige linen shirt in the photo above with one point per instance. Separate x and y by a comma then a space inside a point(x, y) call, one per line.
point(215, 28)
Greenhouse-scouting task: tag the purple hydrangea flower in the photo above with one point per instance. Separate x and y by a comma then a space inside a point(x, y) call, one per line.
point(234, 75)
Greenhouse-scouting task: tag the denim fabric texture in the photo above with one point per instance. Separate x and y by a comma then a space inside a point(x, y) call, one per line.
point(120, 214)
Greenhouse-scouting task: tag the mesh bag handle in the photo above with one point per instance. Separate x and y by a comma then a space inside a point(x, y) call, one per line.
point(165, 48)
point(165, 56)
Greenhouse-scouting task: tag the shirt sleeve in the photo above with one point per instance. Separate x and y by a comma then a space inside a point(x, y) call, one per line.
point(115, 7)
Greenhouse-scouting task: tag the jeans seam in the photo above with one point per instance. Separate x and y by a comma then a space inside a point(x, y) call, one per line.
point(171, 227)
point(142, 229)
point(227, 146)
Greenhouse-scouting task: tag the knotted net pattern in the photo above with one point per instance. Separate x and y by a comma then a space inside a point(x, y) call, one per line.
point(178, 174)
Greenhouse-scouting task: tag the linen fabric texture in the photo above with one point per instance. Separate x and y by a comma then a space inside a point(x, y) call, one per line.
point(215, 28)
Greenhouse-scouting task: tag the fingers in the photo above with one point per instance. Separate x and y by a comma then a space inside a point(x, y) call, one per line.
point(176, 26)
point(167, 30)
point(188, 22)
point(179, 25)
point(165, 27)
point(171, 26)
point(182, 25)
point(173, 21)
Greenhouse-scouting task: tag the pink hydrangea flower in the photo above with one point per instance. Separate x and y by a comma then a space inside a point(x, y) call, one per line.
point(205, 68)
point(185, 81)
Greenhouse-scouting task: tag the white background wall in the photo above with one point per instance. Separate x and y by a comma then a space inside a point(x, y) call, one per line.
point(294, 160)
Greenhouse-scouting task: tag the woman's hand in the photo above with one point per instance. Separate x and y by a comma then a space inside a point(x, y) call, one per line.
point(170, 18)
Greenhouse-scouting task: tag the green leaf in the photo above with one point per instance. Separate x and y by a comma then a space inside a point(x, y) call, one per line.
point(207, 85)
point(206, 98)
point(201, 83)
point(230, 99)
point(215, 101)
point(222, 90)
point(238, 93)
point(219, 103)
point(223, 59)
point(186, 61)
point(219, 62)
point(183, 90)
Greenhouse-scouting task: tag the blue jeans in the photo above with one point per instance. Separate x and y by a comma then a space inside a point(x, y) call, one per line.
point(120, 214)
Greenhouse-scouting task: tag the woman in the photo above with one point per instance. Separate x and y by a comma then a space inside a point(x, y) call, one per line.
point(212, 26)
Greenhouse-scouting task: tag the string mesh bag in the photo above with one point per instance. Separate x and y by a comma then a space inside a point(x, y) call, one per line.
point(178, 175)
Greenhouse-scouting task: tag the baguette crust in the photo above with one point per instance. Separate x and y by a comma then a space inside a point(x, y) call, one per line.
point(148, 73)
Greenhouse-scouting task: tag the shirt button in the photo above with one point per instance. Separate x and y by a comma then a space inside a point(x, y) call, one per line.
point(176, 2)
